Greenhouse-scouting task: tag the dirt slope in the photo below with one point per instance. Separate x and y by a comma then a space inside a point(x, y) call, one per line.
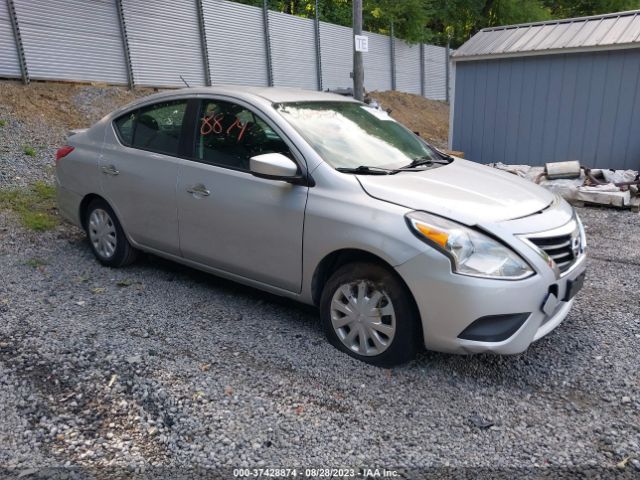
point(68, 105)
point(428, 117)
point(63, 105)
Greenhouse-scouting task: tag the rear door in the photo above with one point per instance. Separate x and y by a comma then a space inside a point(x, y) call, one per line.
point(230, 219)
point(139, 170)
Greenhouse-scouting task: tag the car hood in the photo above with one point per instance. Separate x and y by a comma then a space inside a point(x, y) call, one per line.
point(464, 191)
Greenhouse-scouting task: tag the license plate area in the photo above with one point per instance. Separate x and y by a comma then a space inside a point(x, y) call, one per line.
point(573, 287)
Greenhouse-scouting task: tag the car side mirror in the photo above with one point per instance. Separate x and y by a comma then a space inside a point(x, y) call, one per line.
point(274, 166)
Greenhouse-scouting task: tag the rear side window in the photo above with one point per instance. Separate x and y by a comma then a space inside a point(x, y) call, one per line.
point(156, 128)
point(124, 126)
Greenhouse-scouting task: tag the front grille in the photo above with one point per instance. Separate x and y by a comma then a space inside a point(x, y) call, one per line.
point(563, 249)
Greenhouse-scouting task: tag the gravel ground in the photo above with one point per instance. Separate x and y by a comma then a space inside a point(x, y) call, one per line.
point(17, 169)
point(160, 366)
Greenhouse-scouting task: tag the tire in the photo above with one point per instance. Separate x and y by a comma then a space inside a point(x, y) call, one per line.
point(106, 237)
point(384, 330)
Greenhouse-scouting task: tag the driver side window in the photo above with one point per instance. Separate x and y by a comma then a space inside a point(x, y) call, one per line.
point(229, 135)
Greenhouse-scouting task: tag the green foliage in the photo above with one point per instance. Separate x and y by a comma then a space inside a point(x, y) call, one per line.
point(458, 20)
point(437, 21)
point(2, 122)
point(29, 150)
point(35, 206)
point(579, 8)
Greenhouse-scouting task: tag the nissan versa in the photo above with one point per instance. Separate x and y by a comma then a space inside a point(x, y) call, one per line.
point(329, 201)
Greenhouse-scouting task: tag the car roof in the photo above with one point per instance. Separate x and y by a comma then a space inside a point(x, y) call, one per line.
point(252, 94)
point(276, 94)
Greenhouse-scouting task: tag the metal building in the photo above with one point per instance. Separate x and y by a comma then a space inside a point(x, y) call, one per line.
point(550, 91)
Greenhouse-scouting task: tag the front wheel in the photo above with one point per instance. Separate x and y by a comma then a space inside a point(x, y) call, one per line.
point(106, 237)
point(368, 313)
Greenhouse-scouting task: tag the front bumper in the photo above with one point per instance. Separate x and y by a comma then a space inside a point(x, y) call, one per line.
point(448, 303)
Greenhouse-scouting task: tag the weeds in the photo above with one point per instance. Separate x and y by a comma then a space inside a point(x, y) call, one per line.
point(35, 205)
point(29, 150)
point(2, 122)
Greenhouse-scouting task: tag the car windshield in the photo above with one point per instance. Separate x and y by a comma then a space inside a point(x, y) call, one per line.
point(349, 134)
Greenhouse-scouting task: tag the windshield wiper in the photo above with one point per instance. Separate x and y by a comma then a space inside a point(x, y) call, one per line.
point(419, 161)
point(366, 170)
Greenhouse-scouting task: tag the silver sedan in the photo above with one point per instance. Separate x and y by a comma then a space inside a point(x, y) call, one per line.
point(329, 201)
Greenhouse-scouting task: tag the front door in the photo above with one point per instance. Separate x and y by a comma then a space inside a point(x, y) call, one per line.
point(230, 219)
point(139, 171)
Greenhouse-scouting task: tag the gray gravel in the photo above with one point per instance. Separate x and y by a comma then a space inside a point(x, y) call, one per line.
point(18, 169)
point(160, 365)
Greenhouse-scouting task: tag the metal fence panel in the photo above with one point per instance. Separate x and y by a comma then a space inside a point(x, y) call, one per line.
point(72, 40)
point(435, 73)
point(236, 43)
point(336, 48)
point(81, 40)
point(377, 63)
point(407, 67)
point(164, 42)
point(9, 62)
point(294, 51)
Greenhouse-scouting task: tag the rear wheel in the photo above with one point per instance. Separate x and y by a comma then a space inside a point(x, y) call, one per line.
point(106, 237)
point(368, 313)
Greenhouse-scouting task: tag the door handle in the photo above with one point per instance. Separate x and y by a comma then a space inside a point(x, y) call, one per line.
point(110, 170)
point(199, 190)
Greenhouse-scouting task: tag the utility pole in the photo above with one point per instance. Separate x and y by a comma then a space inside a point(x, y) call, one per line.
point(358, 67)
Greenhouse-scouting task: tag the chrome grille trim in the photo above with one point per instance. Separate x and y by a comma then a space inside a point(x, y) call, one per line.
point(561, 246)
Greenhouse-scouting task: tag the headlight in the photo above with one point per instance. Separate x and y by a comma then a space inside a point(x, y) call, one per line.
point(471, 252)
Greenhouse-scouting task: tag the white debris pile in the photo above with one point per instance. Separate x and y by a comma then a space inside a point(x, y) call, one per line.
point(600, 186)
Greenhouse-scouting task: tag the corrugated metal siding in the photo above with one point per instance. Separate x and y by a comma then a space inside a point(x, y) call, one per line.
point(611, 30)
point(164, 41)
point(336, 48)
point(293, 51)
point(81, 40)
point(236, 44)
point(533, 110)
point(435, 73)
point(72, 40)
point(407, 67)
point(9, 62)
point(377, 63)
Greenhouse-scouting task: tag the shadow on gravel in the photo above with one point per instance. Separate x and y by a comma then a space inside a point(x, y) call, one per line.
point(172, 271)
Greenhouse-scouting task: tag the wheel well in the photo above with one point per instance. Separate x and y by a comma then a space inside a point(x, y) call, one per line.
point(84, 204)
point(335, 260)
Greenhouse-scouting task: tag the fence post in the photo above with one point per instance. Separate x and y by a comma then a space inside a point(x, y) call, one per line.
point(267, 40)
point(203, 43)
point(447, 69)
point(392, 52)
point(318, 48)
point(125, 44)
point(22, 59)
point(422, 72)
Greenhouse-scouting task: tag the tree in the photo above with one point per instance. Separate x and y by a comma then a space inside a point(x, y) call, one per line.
point(580, 8)
point(436, 21)
point(460, 19)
